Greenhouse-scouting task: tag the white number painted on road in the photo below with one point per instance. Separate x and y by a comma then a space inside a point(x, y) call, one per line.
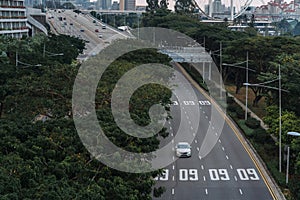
point(218, 174)
point(191, 174)
point(203, 103)
point(164, 176)
point(253, 174)
point(189, 103)
point(175, 103)
point(247, 174)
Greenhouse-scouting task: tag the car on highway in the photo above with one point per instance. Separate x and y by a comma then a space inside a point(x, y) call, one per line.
point(96, 30)
point(100, 36)
point(103, 27)
point(183, 149)
point(81, 30)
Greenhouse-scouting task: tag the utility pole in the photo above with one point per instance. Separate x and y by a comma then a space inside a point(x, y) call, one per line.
point(221, 71)
point(246, 111)
point(279, 82)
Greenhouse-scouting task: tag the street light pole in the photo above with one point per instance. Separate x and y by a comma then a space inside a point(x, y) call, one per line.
point(279, 74)
point(246, 111)
point(221, 70)
point(287, 166)
point(288, 157)
point(16, 59)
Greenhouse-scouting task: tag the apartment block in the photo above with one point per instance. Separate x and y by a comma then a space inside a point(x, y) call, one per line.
point(13, 18)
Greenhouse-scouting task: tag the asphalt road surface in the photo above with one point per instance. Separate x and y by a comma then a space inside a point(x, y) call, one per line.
point(226, 173)
point(82, 26)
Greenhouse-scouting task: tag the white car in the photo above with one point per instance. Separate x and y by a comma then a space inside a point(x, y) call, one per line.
point(183, 149)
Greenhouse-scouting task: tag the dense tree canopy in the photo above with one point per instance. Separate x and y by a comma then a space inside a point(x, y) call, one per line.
point(41, 155)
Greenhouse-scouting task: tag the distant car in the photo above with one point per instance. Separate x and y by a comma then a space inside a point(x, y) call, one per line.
point(100, 36)
point(103, 27)
point(81, 30)
point(71, 24)
point(94, 21)
point(183, 149)
point(96, 30)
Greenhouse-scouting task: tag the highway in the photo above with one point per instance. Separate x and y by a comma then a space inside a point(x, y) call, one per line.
point(228, 172)
point(82, 26)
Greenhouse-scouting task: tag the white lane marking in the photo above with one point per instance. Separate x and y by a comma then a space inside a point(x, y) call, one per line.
point(200, 107)
point(190, 122)
point(173, 149)
point(169, 122)
point(183, 109)
point(173, 141)
point(206, 117)
point(231, 167)
point(198, 149)
point(192, 128)
point(227, 157)
point(235, 178)
point(219, 141)
point(223, 148)
point(173, 158)
point(241, 192)
point(173, 178)
point(172, 134)
point(204, 178)
point(206, 192)
point(173, 191)
point(213, 127)
point(173, 167)
point(209, 122)
point(194, 134)
point(170, 128)
point(187, 117)
point(202, 167)
point(200, 157)
point(216, 134)
point(203, 112)
point(196, 141)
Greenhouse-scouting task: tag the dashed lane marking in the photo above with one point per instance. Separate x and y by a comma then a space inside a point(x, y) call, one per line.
point(241, 192)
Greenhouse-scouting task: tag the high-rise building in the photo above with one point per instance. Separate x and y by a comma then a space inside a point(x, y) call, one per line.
point(106, 4)
point(121, 5)
point(129, 4)
point(13, 18)
point(115, 5)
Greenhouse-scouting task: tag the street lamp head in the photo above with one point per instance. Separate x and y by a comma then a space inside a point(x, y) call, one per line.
point(247, 84)
point(293, 133)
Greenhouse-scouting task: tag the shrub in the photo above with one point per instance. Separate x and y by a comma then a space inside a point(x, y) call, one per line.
point(240, 113)
point(230, 100)
point(231, 108)
point(261, 136)
point(252, 123)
